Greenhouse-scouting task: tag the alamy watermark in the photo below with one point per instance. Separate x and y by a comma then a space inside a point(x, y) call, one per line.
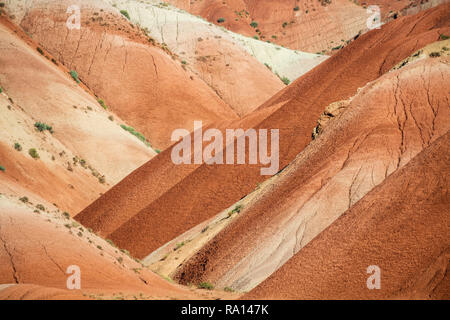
point(374, 20)
point(74, 280)
point(374, 281)
point(234, 145)
point(74, 21)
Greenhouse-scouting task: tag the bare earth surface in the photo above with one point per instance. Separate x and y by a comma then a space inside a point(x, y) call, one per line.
point(37, 248)
point(132, 212)
point(311, 26)
point(137, 79)
point(37, 90)
point(87, 177)
point(402, 226)
point(329, 176)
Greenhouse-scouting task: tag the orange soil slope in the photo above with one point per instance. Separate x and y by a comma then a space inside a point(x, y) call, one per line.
point(390, 8)
point(385, 125)
point(313, 27)
point(38, 248)
point(237, 18)
point(34, 292)
point(140, 81)
point(38, 90)
point(192, 194)
point(236, 76)
point(402, 226)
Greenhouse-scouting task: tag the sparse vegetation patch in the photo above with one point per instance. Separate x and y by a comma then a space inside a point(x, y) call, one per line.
point(435, 54)
point(205, 285)
point(179, 245)
point(102, 103)
point(33, 153)
point(74, 75)
point(125, 14)
point(285, 80)
point(136, 134)
point(40, 126)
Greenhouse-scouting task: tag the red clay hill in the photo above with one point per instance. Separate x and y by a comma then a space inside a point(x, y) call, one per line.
point(160, 200)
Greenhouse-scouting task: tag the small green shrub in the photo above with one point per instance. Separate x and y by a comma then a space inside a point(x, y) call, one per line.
point(40, 50)
point(285, 80)
point(136, 134)
point(444, 37)
point(125, 251)
point(205, 285)
point(179, 245)
point(102, 103)
point(2, 168)
point(66, 215)
point(111, 242)
point(40, 207)
point(17, 146)
point(296, 8)
point(157, 151)
point(24, 199)
point(74, 75)
point(125, 14)
point(33, 153)
point(254, 24)
point(228, 289)
point(1, 89)
point(435, 54)
point(237, 209)
point(42, 127)
point(221, 20)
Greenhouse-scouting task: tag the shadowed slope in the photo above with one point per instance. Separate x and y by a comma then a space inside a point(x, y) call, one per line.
point(401, 226)
point(385, 125)
point(197, 193)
